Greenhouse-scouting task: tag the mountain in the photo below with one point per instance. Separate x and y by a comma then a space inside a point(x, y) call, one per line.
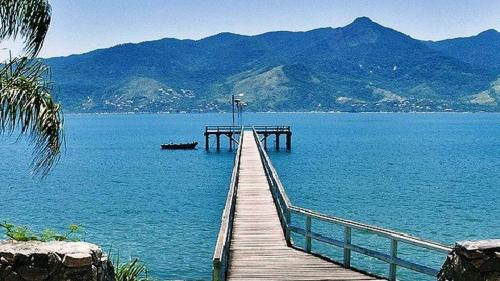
point(359, 67)
point(481, 50)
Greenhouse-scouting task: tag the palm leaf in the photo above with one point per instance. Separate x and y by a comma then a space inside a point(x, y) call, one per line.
point(26, 104)
point(28, 19)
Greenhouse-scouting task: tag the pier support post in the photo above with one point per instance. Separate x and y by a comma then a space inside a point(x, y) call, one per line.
point(230, 135)
point(218, 141)
point(289, 141)
point(265, 141)
point(277, 141)
point(206, 141)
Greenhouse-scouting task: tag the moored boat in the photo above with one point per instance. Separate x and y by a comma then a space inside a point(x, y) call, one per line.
point(191, 145)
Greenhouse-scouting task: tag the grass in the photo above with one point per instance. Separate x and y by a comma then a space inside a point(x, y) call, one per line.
point(23, 233)
point(131, 270)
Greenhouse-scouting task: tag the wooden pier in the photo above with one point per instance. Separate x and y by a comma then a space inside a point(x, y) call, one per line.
point(254, 241)
point(264, 130)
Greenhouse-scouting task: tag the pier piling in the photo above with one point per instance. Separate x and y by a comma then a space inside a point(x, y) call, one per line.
point(289, 141)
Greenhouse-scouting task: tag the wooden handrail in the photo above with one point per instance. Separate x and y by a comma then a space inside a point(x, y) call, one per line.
point(280, 197)
point(273, 175)
point(285, 208)
point(270, 128)
point(400, 236)
point(221, 252)
point(223, 128)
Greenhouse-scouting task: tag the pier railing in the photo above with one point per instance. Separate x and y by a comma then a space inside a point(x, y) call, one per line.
point(223, 128)
point(285, 209)
point(272, 129)
point(221, 253)
point(258, 128)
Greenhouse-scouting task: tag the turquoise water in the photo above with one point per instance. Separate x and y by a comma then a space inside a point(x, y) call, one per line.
point(435, 176)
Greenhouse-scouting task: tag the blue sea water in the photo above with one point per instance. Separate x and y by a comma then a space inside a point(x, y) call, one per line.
point(435, 176)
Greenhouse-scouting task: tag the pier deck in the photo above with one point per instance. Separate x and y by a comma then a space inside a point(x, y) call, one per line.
point(258, 248)
point(254, 241)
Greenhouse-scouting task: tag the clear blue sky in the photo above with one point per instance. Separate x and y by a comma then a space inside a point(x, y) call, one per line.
point(82, 25)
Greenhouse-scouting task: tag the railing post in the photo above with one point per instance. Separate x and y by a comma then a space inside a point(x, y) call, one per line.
point(308, 234)
point(287, 230)
point(392, 265)
point(347, 250)
point(216, 271)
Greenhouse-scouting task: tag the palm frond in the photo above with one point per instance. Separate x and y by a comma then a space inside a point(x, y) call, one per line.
point(26, 104)
point(28, 19)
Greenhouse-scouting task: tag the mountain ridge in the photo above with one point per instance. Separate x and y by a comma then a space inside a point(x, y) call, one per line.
point(362, 66)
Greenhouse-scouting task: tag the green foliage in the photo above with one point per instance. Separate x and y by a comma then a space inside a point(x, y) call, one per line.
point(28, 19)
point(131, 270)
point(18, 233)
point(26, 104)
point(25, 95)
point(23, 233)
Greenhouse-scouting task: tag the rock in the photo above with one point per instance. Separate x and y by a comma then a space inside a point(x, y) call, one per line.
point(491, 264)
point(77, 260)
point(477, 263)
point(36, 247)
point(39, 260)
point(94, 273)
point(7, 257)
point(492, 276)
point(53, 261)
point(6, 270)
point(31, 273)
point(472, 261)
point(482, 245)
point(13, 277)
point(98, 253)
point(21, 258)
point(106, 273)
point(79, 274)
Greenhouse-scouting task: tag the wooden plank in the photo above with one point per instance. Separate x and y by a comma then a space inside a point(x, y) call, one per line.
point(258, 249)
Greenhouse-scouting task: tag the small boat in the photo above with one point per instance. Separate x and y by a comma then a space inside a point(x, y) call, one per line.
point(191, 145)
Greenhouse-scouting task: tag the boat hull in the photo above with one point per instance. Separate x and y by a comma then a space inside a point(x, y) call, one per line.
point(173, 146)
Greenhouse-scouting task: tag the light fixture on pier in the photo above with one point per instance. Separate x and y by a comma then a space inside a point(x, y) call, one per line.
point(238, 102)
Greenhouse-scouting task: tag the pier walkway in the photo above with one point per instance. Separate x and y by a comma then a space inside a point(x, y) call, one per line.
point(258, 248)
point(254, 240)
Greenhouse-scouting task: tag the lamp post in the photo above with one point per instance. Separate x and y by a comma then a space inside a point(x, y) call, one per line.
point(232, 105)
point(239, 104)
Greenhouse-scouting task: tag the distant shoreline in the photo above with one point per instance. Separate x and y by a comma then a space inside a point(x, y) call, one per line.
point(285, 112)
